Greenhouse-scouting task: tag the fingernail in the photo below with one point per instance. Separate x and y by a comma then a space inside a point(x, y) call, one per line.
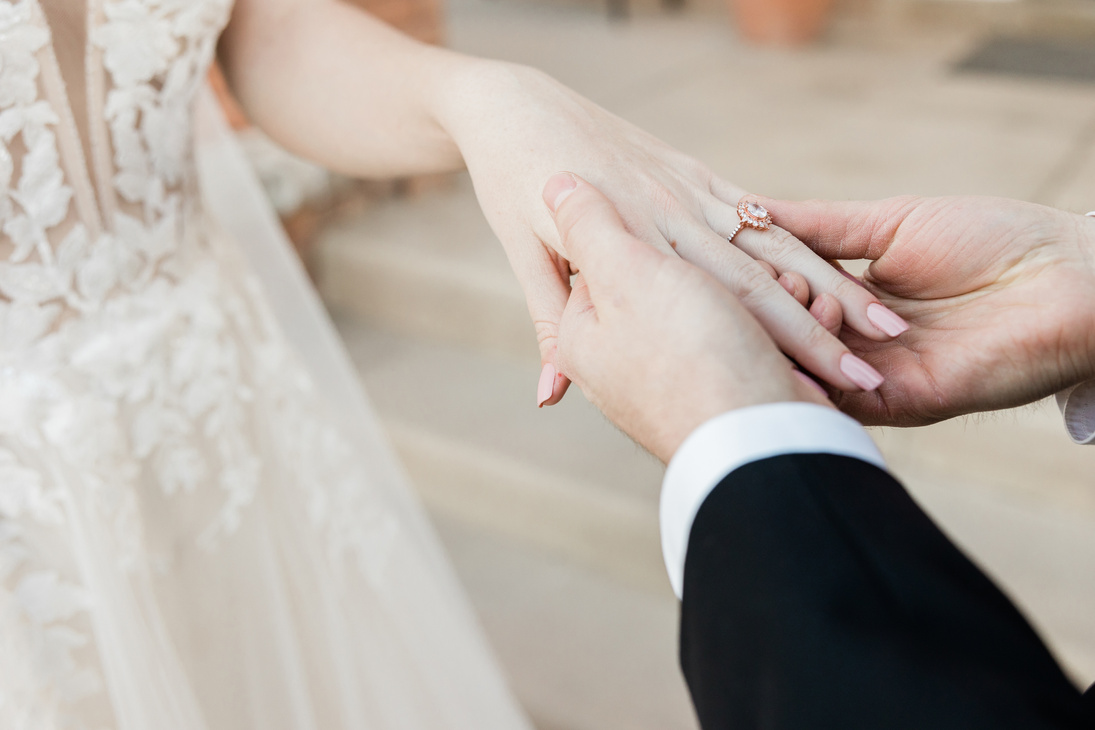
point(884, 319)
point(846, 275)
point(547, 385)
point(810, 381)
point(787, 283)
point(860, 372)
point(558, 187)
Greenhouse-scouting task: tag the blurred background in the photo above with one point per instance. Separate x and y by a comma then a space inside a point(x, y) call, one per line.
point(550, 516)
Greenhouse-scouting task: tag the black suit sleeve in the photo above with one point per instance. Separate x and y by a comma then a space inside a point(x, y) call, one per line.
point(818, 595)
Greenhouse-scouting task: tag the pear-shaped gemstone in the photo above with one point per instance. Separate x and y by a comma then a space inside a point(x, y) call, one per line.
point(756, 210)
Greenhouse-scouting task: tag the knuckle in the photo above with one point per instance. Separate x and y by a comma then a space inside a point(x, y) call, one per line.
point(570, 214)
point(582, 226)
point(695, 171)
point(779, 248)
point(664, 202)
point(848, 294)
point(547, 334)
point(817, 337)
point(750, 281)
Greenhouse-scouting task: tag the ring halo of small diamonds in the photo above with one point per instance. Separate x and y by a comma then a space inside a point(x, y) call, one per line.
point(754, 215)
point(751, 214)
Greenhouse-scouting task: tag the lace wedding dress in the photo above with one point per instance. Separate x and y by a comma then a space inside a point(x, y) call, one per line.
point(201, 527)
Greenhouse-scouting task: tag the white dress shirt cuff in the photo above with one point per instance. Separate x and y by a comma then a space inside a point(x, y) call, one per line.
point(1078, 407)
point(735, 439)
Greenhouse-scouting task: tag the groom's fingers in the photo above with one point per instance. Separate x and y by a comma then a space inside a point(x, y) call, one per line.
point(593, 236)
point(843, 229)
point(577, 330)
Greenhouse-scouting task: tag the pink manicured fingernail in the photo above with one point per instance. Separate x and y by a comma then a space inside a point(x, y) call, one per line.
point(810, 381)
point(853, 279)
point(860, 372)
point(884, 319)
point(558, 187)
point(547, 385)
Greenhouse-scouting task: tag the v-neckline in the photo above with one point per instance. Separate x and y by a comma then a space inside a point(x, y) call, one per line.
point(73, 83)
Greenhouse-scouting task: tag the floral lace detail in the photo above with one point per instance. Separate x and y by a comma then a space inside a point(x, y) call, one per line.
point(36, 603)
point(113, 359)
point(35, 614)
point(157, 53)
point(357, 523)
point(141, 355)
point(39, 200)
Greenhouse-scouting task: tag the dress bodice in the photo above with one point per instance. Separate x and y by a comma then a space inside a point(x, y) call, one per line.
point(201, 524)
point(96, 181)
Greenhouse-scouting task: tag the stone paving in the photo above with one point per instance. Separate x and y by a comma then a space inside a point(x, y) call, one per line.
point(557, 544)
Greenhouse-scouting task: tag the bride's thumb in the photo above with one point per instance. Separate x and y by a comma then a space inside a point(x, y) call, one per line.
point(547, 289)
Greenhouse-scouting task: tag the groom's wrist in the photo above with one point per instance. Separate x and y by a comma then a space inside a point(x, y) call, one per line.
point(691, 413)
point(1086, 231)
point(736, 438)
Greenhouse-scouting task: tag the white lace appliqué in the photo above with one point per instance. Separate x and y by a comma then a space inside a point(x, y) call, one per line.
point(136, 352)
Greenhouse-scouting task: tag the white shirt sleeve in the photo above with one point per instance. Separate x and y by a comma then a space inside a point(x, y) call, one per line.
point(1078, 407)
point(735, 439)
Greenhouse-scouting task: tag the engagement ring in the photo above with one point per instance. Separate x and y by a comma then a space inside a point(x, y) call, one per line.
point(751, 214)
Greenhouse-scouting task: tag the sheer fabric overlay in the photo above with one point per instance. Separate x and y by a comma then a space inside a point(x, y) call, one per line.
point(201, 525)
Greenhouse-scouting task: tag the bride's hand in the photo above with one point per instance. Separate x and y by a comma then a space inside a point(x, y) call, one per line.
point(339, 87)
point(516, 126)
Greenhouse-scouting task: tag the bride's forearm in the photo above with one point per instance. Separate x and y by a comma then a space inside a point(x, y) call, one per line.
point(338, 86)
point(335, 85)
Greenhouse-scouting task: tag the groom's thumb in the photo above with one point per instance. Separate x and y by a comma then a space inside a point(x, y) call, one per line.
point(591, 233)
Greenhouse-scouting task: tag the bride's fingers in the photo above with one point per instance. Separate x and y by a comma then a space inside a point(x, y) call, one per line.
point(863, 312)
point(726, 192)
point(772, 273)
point(792, 327)
point(812, 385)
point(545, 278)
point(793, 282)
point(826, 310)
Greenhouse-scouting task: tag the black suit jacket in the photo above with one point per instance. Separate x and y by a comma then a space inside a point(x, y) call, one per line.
point(818, 595)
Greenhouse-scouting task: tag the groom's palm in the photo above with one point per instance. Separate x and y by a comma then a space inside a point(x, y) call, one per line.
point(1000, 297)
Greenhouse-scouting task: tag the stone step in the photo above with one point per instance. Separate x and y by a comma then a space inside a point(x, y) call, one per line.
point(562, 479)
point(430, 269)
point(550, 518)
point(581, 652)
point(428, 266)
point(564, 484)
point(1023, 454)
point(1057, 18)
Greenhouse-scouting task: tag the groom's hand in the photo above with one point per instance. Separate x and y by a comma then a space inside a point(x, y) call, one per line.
point(656, 343)
point(1000, 295)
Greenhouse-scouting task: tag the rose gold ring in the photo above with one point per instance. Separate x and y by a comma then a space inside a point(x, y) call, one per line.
point(751, 214)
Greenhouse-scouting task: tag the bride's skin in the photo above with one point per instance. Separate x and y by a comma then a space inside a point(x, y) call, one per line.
point(341, 88)
point(714, 357)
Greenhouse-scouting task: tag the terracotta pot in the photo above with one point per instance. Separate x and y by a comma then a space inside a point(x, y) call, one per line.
point(781, 22)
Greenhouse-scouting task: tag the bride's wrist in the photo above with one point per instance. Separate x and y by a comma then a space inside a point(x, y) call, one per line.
point(473, 94)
